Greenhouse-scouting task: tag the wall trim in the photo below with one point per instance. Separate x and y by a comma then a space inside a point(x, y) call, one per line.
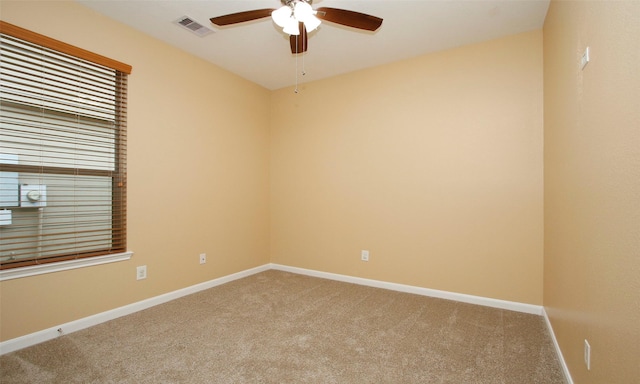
point(77, 325)
point(478, 300)
point(563, 363)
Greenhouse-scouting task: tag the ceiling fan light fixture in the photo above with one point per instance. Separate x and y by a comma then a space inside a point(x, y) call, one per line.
point(311, 23)
point(302, 11)
point(288, 16)
point(282, 15)
point(291, 27)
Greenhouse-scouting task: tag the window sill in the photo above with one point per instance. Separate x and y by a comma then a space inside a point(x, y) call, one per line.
point(16, 273)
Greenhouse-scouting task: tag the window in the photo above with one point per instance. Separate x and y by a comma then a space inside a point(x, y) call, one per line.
point(62, 151)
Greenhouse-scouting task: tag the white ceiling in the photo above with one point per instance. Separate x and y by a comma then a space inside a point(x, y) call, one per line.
point(259, 51)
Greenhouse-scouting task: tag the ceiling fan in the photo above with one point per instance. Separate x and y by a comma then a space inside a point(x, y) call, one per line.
point(297, 18)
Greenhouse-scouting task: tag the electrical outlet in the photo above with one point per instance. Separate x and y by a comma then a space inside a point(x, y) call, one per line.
point(364, 255)
point(141, 272)
point(587, 354)
point(203, 258)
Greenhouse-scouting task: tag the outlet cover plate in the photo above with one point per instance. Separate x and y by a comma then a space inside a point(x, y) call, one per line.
point(141, 272)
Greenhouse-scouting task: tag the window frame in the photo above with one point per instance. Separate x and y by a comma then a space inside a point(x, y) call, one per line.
point(34, 266)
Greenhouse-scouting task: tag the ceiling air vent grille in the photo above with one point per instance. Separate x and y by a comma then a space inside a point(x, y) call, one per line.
point(193, 26)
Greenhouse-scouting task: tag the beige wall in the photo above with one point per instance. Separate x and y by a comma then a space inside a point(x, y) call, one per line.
point(433, 164)
point(592, 186)
point(198, 148)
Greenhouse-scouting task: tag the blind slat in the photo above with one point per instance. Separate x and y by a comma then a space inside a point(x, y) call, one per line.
point(39, 76)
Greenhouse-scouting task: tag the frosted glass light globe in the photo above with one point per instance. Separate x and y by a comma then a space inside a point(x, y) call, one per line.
point(281, 15)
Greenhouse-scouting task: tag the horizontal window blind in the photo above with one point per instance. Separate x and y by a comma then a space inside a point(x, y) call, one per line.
point(62, 153)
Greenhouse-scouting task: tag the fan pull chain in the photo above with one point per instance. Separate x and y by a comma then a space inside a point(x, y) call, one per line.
point(296, 89)
point(303, 69)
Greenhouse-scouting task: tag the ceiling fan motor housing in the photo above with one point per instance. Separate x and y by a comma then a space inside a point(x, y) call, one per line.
point(289, 2)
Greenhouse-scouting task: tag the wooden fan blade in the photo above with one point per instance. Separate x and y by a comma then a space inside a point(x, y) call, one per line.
point(349, 18)
point(241, 17)
point(299, 43)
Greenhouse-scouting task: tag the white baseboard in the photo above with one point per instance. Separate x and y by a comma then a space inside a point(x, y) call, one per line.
point(76, 325)
point(563, 363)
point(479, 300)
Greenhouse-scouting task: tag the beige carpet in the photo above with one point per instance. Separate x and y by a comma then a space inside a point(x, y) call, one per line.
point(278, 327)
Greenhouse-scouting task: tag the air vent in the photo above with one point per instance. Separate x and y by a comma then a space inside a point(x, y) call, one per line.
point(193, 26)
